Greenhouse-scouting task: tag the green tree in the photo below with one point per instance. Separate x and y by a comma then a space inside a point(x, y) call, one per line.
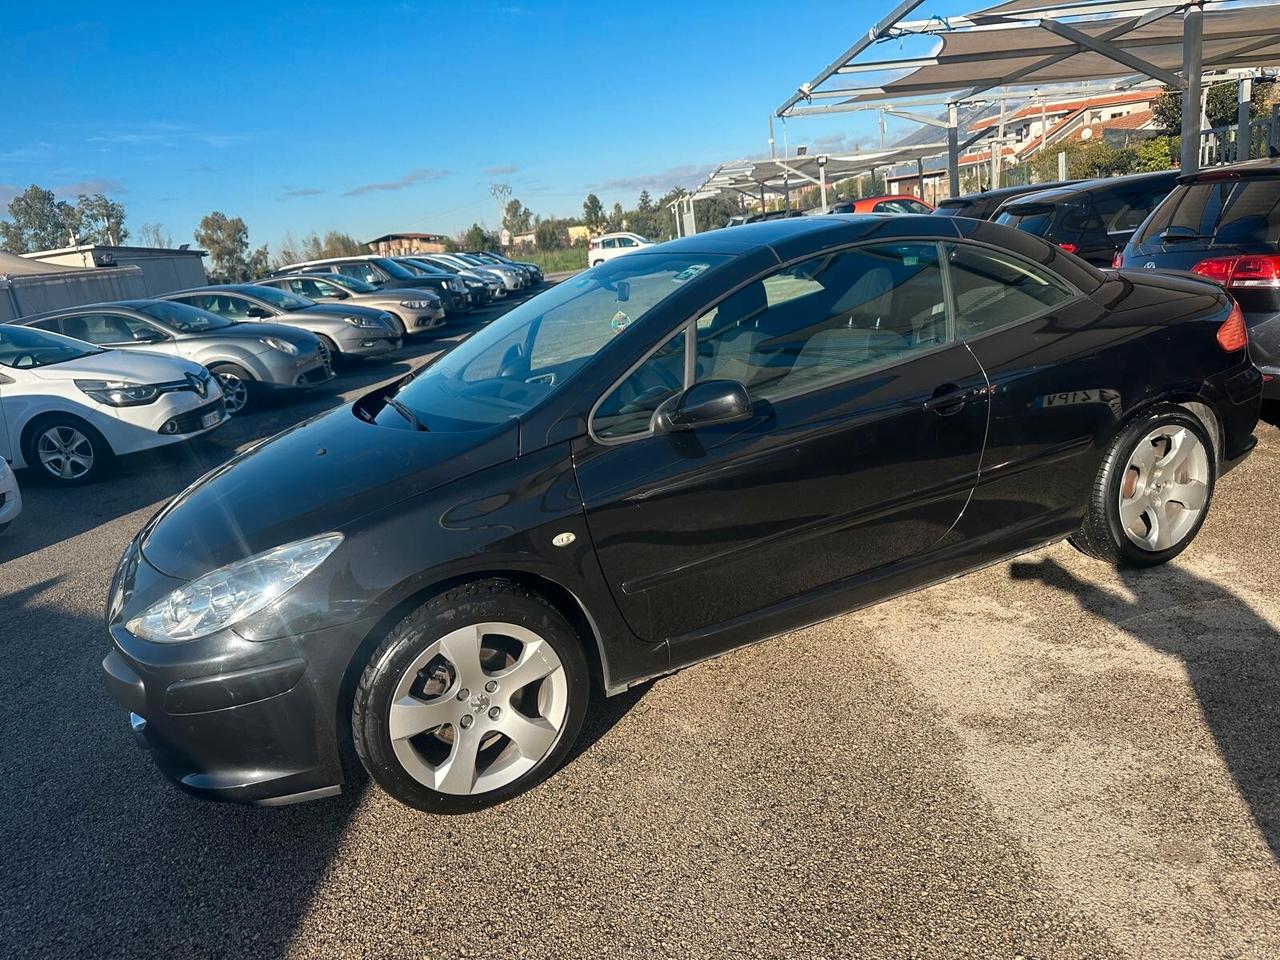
point(1158, 153)
point(516, 217)
point(617, 218)
point(1221, 105)
point(38, 221)
point(593, 212)
point(552, 234)
point(100, 220)
point(476, 237)
point(227, 240)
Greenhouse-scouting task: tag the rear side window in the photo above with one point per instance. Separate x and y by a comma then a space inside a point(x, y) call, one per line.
point(1034, 219)
point(992, 289)
point(1223, 211)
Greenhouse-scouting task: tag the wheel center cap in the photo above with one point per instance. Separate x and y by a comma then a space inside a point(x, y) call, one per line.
point(480, 703)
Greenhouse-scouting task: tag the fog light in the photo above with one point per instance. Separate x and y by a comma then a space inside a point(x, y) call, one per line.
point(170, 426)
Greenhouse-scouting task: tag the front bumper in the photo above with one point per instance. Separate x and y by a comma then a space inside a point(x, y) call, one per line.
point(367, 343)
point(10, 498)
point(231, 719)
point(423, 321)
point(283, 372)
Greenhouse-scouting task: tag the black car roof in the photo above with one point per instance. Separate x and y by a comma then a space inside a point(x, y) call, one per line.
point(1268, 166)
point(1005, 192)
point(1101, 184)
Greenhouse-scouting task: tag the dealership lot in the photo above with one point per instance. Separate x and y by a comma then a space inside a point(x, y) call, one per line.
point(1046, 758)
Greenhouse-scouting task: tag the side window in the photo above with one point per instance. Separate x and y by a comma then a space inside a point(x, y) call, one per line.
point(109, 328)
point(53, 325)
point(361, 270)
point(629, 407)
point(232, 308)
point(859, 309)
point(992, 289)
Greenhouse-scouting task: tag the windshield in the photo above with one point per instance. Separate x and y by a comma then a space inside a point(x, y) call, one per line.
point(445, 266)
point(1222, 211)
point(422, 269)
point(183, 317)
point(280, 299)
point(22, 348)
point(347, 282)
point(516, 362)
point(1033, 219)
point(395, 269)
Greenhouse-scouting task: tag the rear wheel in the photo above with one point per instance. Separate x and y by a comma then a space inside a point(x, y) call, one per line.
point(68, 451)
point(238, 388)
point(1153, 490)
point(473, 698)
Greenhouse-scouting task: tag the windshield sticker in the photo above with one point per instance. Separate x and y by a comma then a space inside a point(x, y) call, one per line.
point(620, 322)
point(689, 272)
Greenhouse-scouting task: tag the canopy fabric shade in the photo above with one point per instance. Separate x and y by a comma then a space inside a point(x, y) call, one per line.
point(776, 176)
point(1027, 43)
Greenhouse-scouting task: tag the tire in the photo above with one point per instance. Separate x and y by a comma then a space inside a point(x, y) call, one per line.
point(1152, 492)
point(402, 329)
point(417, 697)
point(239, 388)
point(87, 457)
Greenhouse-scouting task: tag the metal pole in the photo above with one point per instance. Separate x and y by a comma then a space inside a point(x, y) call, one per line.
point(953, 151)
point(1244, 134)
point(1192, 43)
point(822, 175)
point(920, 175)
point(995, 152)
point(1062, 164)
point(772, 152)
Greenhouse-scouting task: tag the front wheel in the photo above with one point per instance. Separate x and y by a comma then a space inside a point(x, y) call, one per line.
point(237, 387)
point(1152, 492)
point(68, 451)
point(475, 697)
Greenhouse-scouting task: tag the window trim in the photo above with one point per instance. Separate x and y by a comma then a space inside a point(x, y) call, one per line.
point(690, 325)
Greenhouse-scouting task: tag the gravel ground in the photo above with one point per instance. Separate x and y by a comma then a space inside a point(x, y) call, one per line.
point(1043, 759)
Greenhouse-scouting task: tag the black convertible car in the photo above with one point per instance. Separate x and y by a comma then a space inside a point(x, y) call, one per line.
point(681, 451)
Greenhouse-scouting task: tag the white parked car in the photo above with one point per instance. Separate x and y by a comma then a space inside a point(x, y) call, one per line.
point(611, 245)
point(68, 408)
point(10, 498)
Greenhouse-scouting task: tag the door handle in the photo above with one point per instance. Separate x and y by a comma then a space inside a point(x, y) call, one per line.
point(949, 399)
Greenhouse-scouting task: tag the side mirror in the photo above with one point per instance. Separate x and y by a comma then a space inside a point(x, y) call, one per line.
point(260, 313)
point(702, 405)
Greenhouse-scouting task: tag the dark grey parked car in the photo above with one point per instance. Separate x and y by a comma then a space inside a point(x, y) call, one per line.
point(344, 331)
point(249, 359)
point(985, 204)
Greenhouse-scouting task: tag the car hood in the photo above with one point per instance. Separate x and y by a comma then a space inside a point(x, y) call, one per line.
point(392, 293)
point(138, 366)
point(339, 310)
point(312, 479)
point(256, 331)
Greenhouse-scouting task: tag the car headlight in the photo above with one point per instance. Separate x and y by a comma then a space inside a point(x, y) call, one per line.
point(119, 393)
point(231, 593)
point(367, 322)
point(474, 283)
point(417, 304)
point(284, 346)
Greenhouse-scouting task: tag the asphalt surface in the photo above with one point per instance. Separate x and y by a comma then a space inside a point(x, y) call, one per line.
point(1043, 759)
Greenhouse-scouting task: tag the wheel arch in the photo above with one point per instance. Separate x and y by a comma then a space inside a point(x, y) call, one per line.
point(569, 604)
point(1193, 403)
point(28, 429)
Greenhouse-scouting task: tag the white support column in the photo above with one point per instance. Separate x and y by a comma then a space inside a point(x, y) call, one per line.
point(1244, 98)
point(822, 176)
point(1192, 51)
point(953, 151)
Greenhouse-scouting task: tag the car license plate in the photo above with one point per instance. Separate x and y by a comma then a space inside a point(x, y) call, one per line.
point(211, 419)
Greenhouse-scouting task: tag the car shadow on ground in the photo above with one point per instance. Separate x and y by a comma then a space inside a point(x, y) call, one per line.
point(87, 813)
point(1231, 654)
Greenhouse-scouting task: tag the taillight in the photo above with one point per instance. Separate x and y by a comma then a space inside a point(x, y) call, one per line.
point(1250, 270)
point(592, 245)
point(1118, 260)
point(1233, 335)
point(1069, 247)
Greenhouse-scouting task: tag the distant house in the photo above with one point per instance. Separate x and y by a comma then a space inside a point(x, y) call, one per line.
point(404, 244)
point(579, 234)
point(163, 269)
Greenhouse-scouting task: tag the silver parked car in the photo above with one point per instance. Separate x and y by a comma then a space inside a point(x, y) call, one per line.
point(491, 282)
point(415, 311)
point(344, 331)
point(249, 360)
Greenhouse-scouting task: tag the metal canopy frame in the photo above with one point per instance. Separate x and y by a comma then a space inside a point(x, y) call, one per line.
point(1029, 47)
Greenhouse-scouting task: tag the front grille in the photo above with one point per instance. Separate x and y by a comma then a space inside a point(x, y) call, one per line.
point(189, 422)
point(314, 375)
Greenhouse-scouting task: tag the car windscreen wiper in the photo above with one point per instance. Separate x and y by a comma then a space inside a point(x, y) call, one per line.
point(405, 412)
point(1168, 237)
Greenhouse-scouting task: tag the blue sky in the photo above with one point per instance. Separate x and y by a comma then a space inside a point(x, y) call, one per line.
point(381, 117)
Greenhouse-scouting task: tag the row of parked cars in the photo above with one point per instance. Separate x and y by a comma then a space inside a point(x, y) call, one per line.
point(1222, 223)
point(83, 385)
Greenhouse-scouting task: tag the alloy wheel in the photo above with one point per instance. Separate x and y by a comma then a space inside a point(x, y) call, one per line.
point(235, 391)
point(1165, 488)
point(65, 452)
point(478, 708)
